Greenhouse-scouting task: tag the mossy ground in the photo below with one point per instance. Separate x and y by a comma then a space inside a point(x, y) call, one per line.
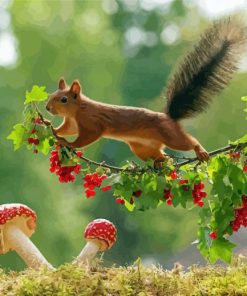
point(133, 280)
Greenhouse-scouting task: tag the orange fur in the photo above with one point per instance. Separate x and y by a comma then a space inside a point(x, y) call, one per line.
point(146, 132)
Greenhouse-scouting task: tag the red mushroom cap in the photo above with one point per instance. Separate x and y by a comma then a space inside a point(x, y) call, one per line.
point(18, 214)
point(101, 230)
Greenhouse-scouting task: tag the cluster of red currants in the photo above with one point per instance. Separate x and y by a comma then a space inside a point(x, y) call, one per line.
point(64, 172)
point(33, 141)
point(235, 155)
point(168, 196)
point(92, 181)
point(198, 194)
point(240, 215)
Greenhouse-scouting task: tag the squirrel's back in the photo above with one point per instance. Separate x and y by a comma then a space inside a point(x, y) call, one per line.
point(206, 70)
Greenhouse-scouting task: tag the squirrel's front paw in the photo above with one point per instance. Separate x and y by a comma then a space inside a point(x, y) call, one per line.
point(201, 154)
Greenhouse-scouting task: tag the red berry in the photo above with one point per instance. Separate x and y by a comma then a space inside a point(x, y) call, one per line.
point(235, 155)
point(245, 168)
point(120, 200)
point(186, 188)
point(38, 121)
point(137, 193)
point(35, 151)
point(33, 131)
point(183, 181)
point(106, 188)
point(167, 194)
point(102, 177)
point(173, 174)
point(213, 234)
point(90, 193)
point(203, 194)
point(30, 140)
point(36, 141)
point(79, 153)
point(169, 202)
point(200, 203)
point(77, 168)
point(52, 169)
point(201, 186)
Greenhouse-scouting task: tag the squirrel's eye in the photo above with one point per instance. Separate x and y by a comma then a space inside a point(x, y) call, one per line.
point(64, 100)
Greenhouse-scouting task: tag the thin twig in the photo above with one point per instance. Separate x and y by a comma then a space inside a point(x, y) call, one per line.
point(101, 164)
point(215, 152)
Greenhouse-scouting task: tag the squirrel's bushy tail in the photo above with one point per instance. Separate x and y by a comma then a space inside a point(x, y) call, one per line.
point(207, 69)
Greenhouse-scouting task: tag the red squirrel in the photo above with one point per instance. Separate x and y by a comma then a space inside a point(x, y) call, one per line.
point(203, 73)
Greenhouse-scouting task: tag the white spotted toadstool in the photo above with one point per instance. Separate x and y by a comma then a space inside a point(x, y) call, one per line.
point(17, 224)
point(100, 235)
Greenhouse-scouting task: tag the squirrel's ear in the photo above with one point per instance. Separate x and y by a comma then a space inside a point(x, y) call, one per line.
point(75, 87)
point(61, 83)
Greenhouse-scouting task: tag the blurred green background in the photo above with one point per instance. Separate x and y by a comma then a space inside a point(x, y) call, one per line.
point(123, 52)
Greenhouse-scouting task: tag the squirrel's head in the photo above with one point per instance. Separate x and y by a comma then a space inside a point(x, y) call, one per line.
point(65, 100)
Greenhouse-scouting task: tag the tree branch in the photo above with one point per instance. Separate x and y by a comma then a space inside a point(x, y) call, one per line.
point(138, 169)
point(215, 152)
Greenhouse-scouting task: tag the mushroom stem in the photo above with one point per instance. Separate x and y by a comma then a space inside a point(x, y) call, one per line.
point(87, 253)
point(25, 248)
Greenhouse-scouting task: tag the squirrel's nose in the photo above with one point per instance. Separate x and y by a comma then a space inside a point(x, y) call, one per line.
point(47, 108)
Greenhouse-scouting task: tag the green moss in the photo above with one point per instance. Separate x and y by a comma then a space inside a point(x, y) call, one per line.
point(69, 280)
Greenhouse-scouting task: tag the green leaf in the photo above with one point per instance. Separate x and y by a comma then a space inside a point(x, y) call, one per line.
point(147, 201)
point(205, 214)
point(204, 241)
point(213, 250)
point(242, 140)
point(221, 249)
point(218, 171)
point(149, 182)
point(113, 179)
point(177, 196)
point(129, 207)
point(244, 99)
point(224, 214)
point(44, 146)
point(18, 135)
point(237, 178)
point(36, 94)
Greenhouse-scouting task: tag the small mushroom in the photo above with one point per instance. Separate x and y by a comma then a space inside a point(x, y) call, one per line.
point(17, 224)
point(100, 235)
